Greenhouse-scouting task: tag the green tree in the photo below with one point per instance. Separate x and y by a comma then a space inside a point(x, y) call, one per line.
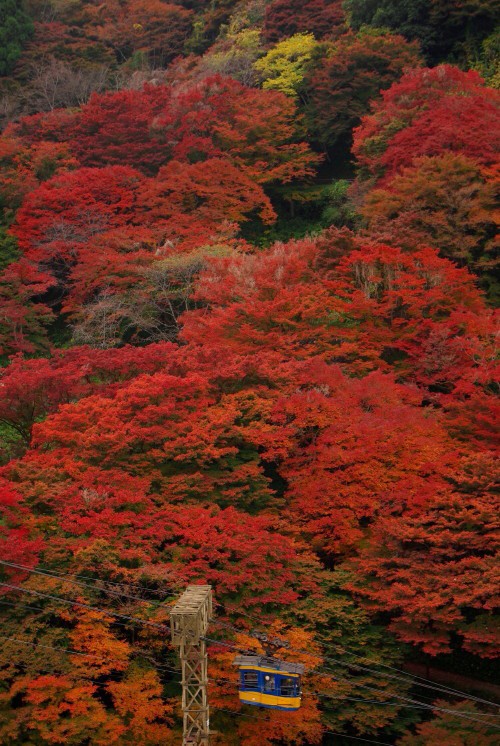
point(407, 17)
point(16, 27)
point(8, 248)
point(487, 60)
point(338, 209)
point(446, 29)
point(234, 55)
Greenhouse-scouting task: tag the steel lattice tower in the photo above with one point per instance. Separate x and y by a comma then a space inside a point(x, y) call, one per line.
point(189, 618)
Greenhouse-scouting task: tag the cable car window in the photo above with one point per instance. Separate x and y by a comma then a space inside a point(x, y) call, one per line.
point(268, 683)
point(250, 680)
point(287, 686)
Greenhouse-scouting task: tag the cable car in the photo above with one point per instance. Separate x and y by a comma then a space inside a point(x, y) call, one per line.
point(268, 682)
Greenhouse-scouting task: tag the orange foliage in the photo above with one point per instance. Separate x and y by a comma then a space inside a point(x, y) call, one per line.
point(104, 653)
point(138, 700)
point(60, 711)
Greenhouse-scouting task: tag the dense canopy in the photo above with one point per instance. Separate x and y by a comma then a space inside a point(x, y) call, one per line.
point(248, 273)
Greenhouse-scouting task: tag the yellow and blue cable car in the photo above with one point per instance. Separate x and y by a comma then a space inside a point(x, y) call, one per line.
point(268, 682)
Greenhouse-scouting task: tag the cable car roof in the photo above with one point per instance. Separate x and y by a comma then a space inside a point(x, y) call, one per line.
point(265, 662)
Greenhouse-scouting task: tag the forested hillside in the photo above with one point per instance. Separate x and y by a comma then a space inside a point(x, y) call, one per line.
point(248, 337)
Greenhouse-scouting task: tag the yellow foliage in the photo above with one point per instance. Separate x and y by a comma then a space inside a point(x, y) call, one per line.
point(235, 55)
point(283, 67)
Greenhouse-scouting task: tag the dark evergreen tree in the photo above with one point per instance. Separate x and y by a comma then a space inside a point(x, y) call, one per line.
point(16, 27)
point(446, 30)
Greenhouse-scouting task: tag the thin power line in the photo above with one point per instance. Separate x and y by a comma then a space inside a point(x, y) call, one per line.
point(70, 651)
point(229, 645)
point(47, 610)
point(109, 582)
point(163, 667)
point(121, 624)
point(79, 677)
point(82, 677)
point(413, 678)
point(417, 704)
point(136, 620)
point(421, 705)
point(325, 695)
point(25, 606)
point(91, 577)
point(355, 738)
point(443, 690)
point(51, 647)
point(64, 579)
point(408, 679)
point(74, 675)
